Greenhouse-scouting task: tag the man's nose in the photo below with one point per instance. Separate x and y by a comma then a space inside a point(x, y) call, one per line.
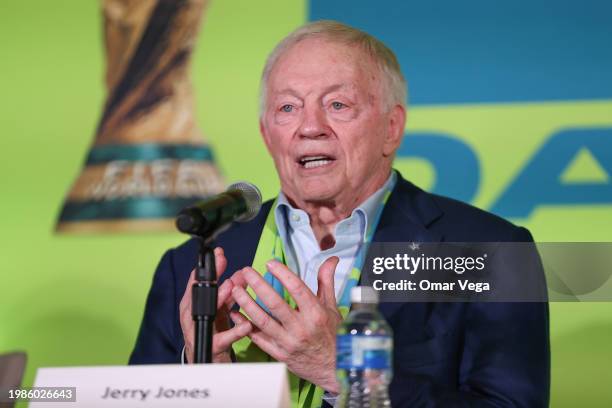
point(314, 123)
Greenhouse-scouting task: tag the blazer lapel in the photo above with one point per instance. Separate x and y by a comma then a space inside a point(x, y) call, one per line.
point(406, 218)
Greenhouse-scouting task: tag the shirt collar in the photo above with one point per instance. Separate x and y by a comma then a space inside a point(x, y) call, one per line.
point(367, 209)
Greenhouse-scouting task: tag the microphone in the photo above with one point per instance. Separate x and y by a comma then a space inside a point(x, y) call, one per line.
point(241, 202)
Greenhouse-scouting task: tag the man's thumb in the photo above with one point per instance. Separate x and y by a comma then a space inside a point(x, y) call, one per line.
point(325, 279)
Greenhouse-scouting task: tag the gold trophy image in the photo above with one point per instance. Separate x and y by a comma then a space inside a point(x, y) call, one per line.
point(148, 159)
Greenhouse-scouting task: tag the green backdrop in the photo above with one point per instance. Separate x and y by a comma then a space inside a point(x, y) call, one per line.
point(78, 300)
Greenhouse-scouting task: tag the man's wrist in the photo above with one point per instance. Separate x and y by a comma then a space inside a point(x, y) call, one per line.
point(332, 386)
point(334, 390)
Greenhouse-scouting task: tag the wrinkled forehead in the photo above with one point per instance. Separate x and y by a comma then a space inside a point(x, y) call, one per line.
point(324, 62)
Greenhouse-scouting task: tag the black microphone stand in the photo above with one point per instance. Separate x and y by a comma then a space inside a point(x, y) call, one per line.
point(204, 302)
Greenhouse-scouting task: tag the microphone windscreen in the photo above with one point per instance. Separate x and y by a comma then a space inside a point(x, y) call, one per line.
point(252, 197)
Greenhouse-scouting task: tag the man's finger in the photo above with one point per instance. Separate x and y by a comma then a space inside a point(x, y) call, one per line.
point(275, 304)
point(187, 294)
point(220, 261)
point(258, 316)
point(185, 304)
point(223, 340)
point(224, 294)
point(268, 345)
point(238, 278)
point(303, 296)
point(185, 314)
point(325, 278)
point(237, 317)
point(224, 303)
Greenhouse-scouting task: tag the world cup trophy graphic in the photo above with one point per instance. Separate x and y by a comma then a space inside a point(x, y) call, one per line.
point(148, 159)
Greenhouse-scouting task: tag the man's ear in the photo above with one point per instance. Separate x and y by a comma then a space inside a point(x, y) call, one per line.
point(264, 134)
point(396, 123)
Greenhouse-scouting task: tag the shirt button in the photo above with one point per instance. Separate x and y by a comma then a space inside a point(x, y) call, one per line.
point(295, 217)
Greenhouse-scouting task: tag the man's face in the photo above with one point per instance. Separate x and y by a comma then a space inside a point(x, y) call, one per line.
point(325, 124)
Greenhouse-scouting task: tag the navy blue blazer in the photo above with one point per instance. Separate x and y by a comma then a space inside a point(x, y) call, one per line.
point(445, 354)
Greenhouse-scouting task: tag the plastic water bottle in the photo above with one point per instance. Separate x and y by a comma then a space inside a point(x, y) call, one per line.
point(364, 347)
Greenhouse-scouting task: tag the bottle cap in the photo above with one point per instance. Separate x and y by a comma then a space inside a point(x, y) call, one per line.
point(364, 294)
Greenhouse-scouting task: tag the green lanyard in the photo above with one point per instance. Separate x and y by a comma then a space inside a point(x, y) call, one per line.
point(303, 393)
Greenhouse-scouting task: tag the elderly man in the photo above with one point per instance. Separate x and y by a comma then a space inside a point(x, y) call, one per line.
point(333, 115)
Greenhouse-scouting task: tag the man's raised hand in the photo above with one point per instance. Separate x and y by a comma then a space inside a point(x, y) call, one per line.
point(303, 338)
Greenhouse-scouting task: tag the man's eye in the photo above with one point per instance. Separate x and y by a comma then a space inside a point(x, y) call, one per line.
point(287, 108)
point(338, 105)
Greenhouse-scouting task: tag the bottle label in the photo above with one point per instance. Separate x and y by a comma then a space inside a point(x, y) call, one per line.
point(361, 352)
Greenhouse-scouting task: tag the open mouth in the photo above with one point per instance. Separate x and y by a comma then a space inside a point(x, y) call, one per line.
point(311, 162)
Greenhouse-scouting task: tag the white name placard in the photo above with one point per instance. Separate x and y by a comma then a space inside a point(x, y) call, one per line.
point(199, 385)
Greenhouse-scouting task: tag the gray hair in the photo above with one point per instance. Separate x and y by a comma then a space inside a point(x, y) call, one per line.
point(394, 85)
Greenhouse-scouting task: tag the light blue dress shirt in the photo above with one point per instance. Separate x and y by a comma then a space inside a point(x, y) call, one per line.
point(302, 252)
